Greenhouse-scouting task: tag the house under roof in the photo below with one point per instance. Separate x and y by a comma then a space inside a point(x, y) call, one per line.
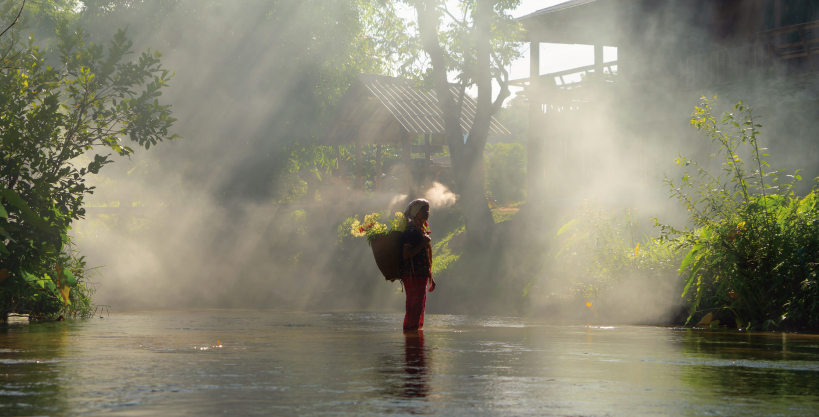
point(379, 109)
point(589, 22)
point(382, 110)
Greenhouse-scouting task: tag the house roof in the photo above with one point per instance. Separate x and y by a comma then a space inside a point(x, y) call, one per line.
point(380, 109)
point(557, 8)
point(590, 22)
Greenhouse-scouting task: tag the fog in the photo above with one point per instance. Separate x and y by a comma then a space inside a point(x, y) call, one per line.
point(253, 81)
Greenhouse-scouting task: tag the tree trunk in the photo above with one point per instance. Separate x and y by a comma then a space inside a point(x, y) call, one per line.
point(467, 158)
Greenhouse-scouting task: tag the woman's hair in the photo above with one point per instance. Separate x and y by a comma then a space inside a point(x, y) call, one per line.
point(414, 207)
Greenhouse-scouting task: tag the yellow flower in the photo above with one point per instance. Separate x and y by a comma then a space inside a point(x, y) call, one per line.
point(355, 230)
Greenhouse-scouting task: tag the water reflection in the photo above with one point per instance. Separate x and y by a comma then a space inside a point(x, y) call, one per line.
point(778, 369)
point(292, 363)
point(416, 384)
point(31, 358)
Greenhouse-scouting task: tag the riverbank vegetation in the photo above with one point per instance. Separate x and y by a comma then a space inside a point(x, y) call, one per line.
point(59, 103)
point(752, 251)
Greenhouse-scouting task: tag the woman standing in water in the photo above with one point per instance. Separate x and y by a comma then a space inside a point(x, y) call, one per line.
point(416, 266)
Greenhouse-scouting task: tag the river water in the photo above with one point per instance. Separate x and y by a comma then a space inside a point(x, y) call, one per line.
point(253, 362)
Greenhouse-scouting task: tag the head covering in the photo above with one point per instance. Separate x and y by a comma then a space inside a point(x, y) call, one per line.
point(414, 207)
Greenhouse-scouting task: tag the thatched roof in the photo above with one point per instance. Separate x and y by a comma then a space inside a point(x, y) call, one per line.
point(382, 109)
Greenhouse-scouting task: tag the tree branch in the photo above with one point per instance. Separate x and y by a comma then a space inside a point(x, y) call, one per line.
point(427, 29)
point(16, 19)
point(11, 44)
point(502, 77)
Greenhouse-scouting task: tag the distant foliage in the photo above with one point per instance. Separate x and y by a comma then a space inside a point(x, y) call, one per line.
point(603, 247)
point(753, 253)
point(515, 118)
point(90, 99)
point(506, 172)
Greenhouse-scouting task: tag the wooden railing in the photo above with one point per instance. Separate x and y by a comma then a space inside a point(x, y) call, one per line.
point(796, 41)
point(557, 79)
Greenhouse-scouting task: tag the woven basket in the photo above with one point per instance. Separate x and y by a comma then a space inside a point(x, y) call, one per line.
point(387, 253)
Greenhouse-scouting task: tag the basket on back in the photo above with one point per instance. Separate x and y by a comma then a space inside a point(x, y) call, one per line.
point(387, 253)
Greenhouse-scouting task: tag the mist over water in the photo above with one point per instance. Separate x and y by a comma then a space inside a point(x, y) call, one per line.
point(252, 80)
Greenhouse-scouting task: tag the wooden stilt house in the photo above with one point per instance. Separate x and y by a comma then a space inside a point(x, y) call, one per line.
point(380, 111)
point(669, 53)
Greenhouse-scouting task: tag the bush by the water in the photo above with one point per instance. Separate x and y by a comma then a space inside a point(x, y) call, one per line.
point(753, 251)
point(58, 104)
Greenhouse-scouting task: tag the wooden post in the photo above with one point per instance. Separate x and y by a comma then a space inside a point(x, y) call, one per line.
point(534, 155)
point(807, 48)
point(378, 168)
point(358, 170)
point(342, 178)
point(598, 63)
point(406, 153)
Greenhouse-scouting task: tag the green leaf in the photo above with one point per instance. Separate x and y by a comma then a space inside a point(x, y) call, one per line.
point(566, 227)
point(69, 277)
point(3, 213)
point(26, 213)
point(687, 260)
point(693, 275)
point(28, 277)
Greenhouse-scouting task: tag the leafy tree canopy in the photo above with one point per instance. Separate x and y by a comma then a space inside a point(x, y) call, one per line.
point(90, 99)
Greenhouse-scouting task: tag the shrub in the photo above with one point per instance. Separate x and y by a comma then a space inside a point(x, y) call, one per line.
point(753, 250)
point(51, 113)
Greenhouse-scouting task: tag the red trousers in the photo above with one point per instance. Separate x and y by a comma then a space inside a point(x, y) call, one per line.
point(416, 290)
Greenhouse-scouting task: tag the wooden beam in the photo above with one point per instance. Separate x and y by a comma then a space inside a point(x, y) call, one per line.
point(791, 28)
point(427, 148)
point(534, 143)
point(598, 63)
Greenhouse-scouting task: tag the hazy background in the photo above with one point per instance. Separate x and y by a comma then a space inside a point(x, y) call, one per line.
point(255, 81)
